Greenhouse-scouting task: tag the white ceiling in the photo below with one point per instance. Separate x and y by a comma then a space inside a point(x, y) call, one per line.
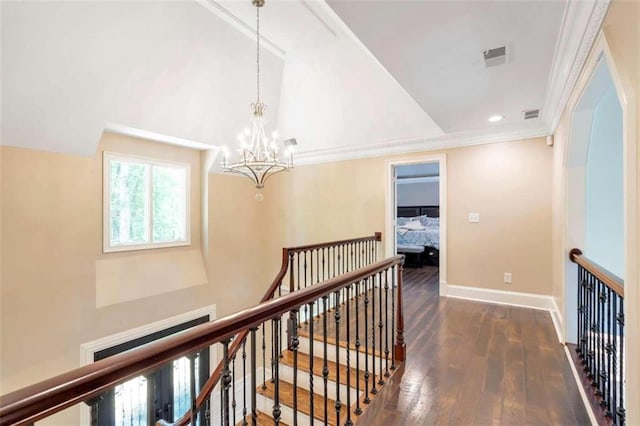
point(434, 49)
point(346, 78)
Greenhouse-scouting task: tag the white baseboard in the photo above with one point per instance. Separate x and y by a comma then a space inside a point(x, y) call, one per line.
point(511, 298)
point(583, 395)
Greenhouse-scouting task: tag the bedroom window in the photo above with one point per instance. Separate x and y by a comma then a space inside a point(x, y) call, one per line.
point(146, 203)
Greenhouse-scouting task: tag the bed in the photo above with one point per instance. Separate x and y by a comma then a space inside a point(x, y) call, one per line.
point(418, 233)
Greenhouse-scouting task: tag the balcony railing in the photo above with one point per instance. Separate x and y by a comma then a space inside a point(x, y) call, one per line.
point(348, 312)
point(600, 345)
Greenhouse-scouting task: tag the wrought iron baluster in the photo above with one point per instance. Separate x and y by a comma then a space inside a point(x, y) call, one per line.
point(325, 367)
point(298, 273)
point(349, 422)
point(311, 394)
point(620, 320)
point(225, 382)
point(358, 409)
point(275, 325)
point(254, 382)
point(306, 308)
point(614, 355)
point(336, 316)
point(244, 382)
point(366, 400)
point(295, 342)
point(386, 323)
point(380, 328)
point(233, 389)
point(264, 363)
point(608, 349)
point(373, 335)
point(393, 317)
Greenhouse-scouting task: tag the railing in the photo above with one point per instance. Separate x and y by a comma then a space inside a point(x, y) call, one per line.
point(600, 345)
point(335, 282)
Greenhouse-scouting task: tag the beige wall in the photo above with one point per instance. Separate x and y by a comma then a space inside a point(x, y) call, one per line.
point(621, 29)
point(509, 184)
point(52, 212)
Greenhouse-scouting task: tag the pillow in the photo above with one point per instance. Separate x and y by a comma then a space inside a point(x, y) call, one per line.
point(414, 225)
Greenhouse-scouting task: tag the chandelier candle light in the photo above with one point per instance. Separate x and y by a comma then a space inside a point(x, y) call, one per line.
point(258, 154)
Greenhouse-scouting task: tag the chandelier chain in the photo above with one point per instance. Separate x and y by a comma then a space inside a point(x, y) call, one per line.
point(258, 52)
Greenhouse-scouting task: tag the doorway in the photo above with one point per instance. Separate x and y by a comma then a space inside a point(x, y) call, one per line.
point(416, 213)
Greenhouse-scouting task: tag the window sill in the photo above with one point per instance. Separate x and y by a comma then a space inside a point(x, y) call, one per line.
point(150, 246)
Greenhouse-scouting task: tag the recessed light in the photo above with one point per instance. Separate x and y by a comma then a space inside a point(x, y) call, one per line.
point(495, 118)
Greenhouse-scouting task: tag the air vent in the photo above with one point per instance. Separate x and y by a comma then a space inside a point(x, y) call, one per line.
point(493, 57)
point(529, 114)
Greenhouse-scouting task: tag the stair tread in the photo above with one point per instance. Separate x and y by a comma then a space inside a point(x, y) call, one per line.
point(262, 420)
point(304, 365)
point(286, 398)
point(343, 344)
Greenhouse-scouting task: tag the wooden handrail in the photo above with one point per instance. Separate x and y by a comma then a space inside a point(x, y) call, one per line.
point(609, 279)
point(50, 396)
point(376, 237)
point(214, 378)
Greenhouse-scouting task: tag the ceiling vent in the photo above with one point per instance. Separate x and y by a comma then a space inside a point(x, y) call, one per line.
point(493, 57)
point(529, 114)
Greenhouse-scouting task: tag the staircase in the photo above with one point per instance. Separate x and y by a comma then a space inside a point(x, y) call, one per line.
point(303, 391)
point(324, 339)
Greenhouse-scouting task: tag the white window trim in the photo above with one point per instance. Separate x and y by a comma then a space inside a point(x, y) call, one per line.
point(106, 211)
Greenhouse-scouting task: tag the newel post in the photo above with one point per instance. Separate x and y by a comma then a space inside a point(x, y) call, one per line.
point(400, 348)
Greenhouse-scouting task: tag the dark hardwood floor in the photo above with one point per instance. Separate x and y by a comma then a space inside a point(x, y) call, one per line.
point(474, 363)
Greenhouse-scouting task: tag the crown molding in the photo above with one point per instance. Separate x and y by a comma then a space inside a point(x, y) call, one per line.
point(580, 25)
point(404, 146)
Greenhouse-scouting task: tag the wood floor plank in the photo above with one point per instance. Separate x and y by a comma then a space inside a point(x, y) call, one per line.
point(475, 363)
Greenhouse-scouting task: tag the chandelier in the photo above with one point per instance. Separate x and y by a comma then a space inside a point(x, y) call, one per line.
point(257, 157)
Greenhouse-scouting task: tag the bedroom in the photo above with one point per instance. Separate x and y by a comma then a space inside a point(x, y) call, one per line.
point(418, 213)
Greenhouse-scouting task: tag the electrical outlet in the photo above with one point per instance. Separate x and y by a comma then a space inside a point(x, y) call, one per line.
point(507, 277)
point(474, 217)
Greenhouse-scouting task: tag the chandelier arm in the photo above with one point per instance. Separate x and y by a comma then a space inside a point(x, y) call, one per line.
point(267, 176)
point(251, 176)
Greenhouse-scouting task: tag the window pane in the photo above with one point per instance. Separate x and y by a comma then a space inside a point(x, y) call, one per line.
point(131, 402)
point(169, 204)
point(182, 385)
point(129, 220)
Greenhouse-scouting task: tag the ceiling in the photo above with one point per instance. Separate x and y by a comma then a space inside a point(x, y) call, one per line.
point(435, 51)
point(347, 79)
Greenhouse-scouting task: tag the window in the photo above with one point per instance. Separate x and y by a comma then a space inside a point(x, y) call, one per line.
point(146, 203)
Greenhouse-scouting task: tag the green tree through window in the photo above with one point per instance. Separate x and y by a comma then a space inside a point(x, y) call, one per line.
point(148, 202)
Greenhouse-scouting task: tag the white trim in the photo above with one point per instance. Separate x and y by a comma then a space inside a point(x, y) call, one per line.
point(88, 349)
point(501, 297)
point(405, 146)
point(580, 25)
point(390, 204)
point(106, 198)
point(583, 395)
point(558, 320)
point(509, 298)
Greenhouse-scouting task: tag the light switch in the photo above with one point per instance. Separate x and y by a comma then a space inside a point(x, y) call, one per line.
point(474, 217)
